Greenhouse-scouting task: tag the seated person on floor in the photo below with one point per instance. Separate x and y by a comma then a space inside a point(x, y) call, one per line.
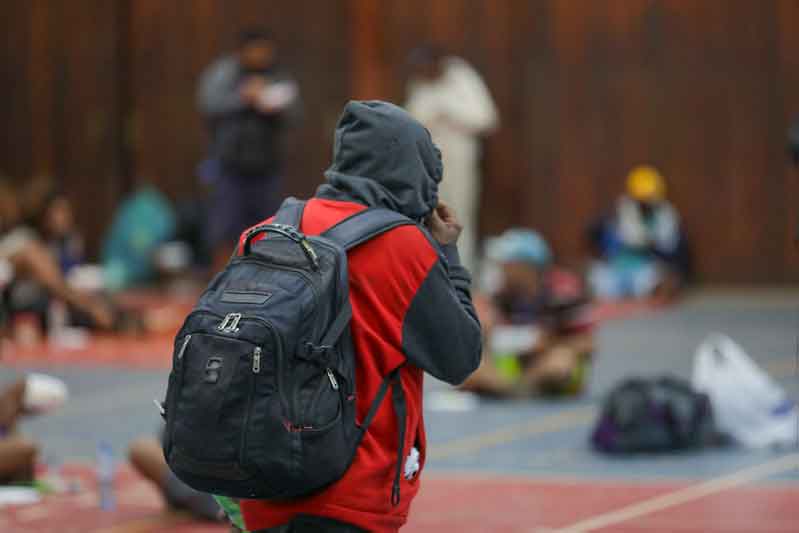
point(26, 260)
point(50, 212)
point(33, 394)
point(538, 340)
point(641, 248)
point(147, 457)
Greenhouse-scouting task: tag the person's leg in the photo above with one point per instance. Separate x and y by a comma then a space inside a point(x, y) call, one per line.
point(644, 279)
point(11, 406)
point(560, 369)
point(148, 459)
point(460, 189)
point(17, 458)
point(36, 261)
point(226, 220)
point(604, 281)
point(488, 380)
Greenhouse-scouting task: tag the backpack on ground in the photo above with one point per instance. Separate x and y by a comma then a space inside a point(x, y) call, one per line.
point(261, 397)
point(654, 415)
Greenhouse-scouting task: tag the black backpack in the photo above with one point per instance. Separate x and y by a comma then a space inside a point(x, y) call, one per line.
point(654, 415)
point(261, 397)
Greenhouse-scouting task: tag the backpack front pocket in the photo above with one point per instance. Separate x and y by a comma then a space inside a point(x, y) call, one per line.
point(216, 380)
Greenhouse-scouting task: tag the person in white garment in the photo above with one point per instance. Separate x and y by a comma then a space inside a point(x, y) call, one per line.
point(449, 97)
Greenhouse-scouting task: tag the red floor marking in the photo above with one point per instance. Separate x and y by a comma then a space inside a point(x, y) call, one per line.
point(460, 504)
point(470, 505)
point(150, 351)
point(744, 510)
point(154, 351)
point(139, 508)
point(604, 310)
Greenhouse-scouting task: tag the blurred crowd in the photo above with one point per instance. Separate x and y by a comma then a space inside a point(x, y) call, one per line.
point(536, 313)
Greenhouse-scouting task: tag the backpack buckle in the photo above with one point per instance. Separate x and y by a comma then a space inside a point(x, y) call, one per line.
point(318, 355)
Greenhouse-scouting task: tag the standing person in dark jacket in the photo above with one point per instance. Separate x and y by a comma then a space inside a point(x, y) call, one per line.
point(249, 103)
point(411, 308)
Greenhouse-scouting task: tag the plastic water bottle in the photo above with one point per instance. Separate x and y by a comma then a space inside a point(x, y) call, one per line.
point(106, 471)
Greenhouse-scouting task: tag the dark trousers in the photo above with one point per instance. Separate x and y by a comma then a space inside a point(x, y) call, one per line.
point(313, 524)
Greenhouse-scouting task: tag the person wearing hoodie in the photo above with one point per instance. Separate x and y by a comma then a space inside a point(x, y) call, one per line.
point(411, 306)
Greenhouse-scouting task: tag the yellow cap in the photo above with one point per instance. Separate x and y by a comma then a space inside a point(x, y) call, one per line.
point(644, 183)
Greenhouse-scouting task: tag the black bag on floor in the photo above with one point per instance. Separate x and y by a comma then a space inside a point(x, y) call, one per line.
point(654, 415)
point(261, 397)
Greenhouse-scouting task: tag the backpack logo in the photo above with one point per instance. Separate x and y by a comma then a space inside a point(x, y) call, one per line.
point(230, 324)
point(212, 368)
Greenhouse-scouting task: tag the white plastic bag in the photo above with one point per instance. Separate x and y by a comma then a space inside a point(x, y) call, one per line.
point(747, 404)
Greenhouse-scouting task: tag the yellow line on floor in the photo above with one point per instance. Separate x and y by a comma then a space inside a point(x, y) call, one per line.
point(539, 425)
point(678, 497)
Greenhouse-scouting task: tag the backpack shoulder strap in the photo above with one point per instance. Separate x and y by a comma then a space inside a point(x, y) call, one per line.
point(290, 212)
point(365, 225)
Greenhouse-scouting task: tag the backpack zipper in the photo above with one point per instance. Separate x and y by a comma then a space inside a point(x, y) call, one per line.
point(171, 401)
point(256, 360)
point(184, 346)
point(332, 378)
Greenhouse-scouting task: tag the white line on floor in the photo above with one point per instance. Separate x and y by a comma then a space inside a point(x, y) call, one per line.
point(678, 497)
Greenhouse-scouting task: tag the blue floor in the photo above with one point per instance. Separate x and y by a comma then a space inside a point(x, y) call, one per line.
point(520, 438)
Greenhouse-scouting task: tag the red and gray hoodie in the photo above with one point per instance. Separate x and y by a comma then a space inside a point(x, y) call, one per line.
point(411, 305)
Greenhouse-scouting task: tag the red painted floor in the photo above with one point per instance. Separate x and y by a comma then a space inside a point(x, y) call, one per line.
point(460, 504)
point(471, 505)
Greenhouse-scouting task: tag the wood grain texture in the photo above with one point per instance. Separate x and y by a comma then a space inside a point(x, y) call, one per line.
point(102, 95)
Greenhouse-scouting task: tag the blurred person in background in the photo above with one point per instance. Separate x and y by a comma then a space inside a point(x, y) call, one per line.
point(49, 211)
point(25, 256)
point(641, 247)
point(17, 453)
point(32, 394)
point(538, 338)
point(249, 102)
point(449, 97)
point(147, 457)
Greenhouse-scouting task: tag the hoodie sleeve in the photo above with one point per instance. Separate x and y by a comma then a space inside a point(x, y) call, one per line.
point(218, 92)
point(441, 331)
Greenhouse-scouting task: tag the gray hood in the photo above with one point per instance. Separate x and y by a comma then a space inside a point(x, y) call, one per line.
point(383, 157)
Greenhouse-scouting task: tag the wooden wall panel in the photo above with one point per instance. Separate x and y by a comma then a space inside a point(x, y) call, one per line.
point(589, 89)
point(101, 93)
point(62, 111)
point(15, 140)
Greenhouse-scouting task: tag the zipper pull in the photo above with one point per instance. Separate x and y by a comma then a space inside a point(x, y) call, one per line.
point(332, 378)
point(256, 360)
point(184, 346)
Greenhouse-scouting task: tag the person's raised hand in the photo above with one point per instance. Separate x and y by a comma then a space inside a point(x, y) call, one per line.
point(251, 89)
point(444, 224)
